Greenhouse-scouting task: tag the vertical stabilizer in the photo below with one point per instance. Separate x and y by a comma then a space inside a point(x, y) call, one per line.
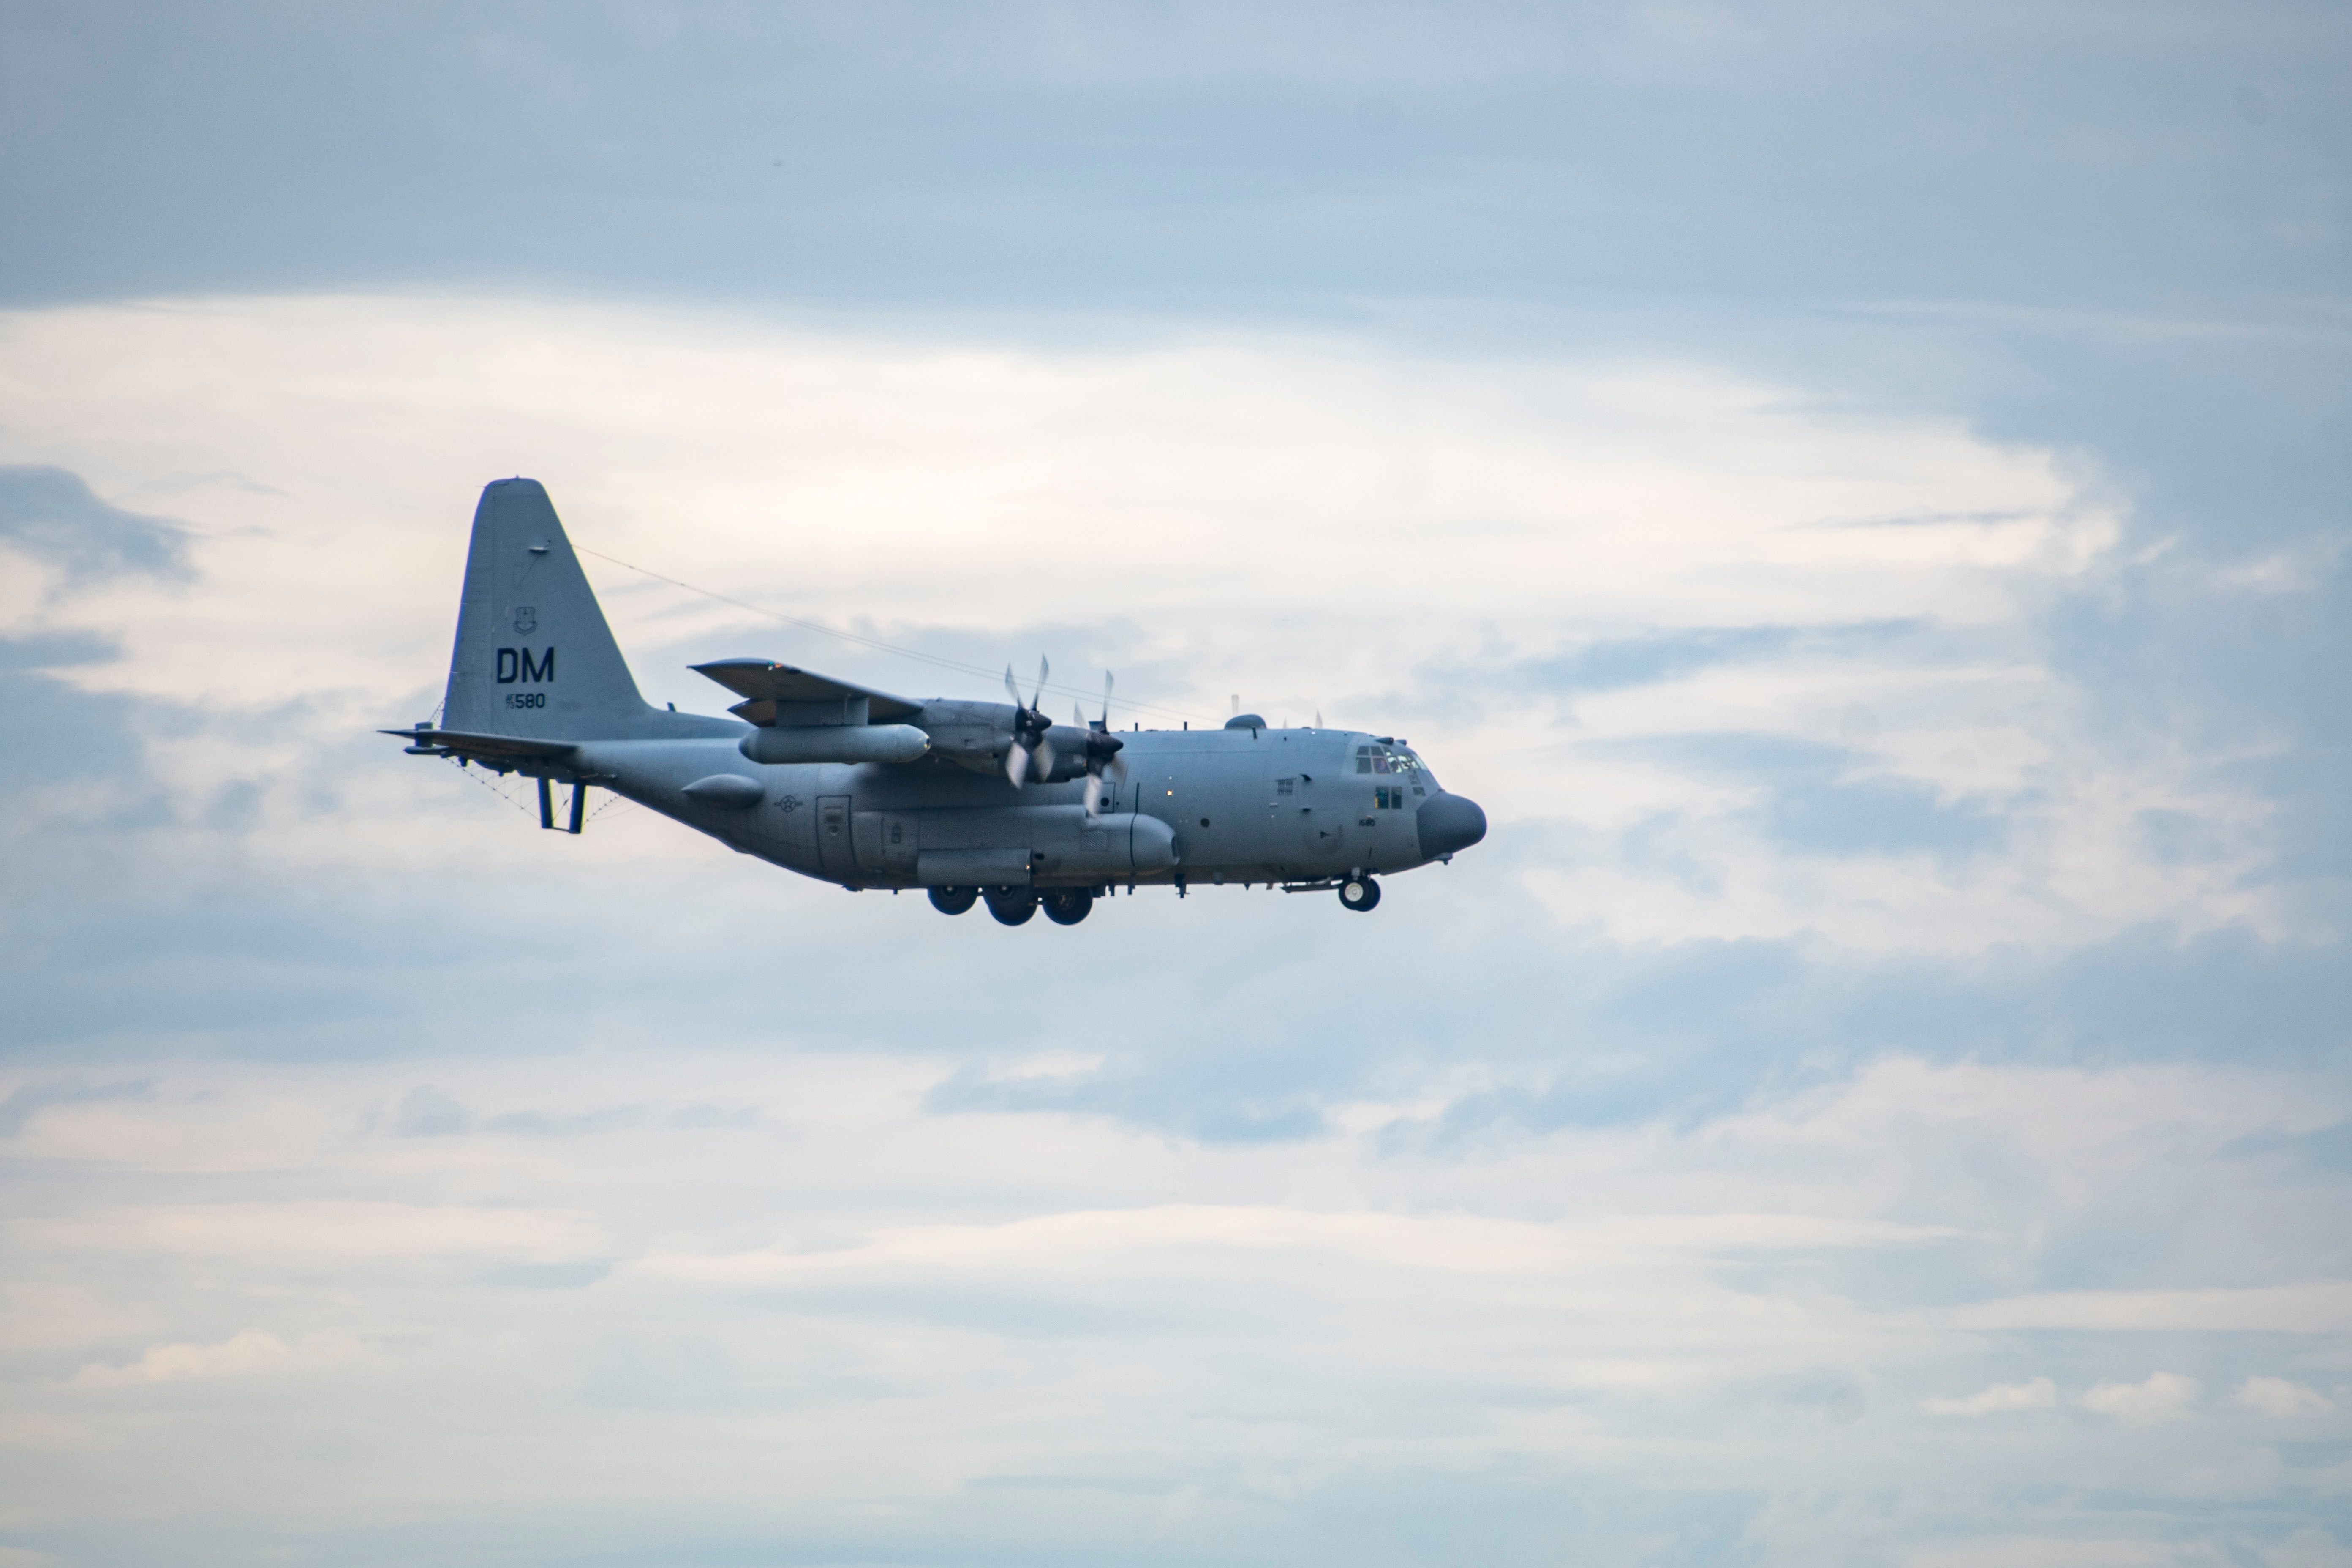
point(534, 656)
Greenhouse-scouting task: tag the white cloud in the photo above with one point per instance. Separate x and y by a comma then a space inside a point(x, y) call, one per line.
point(2077, 1550)
point(1157, 506)
point(2300, 570)
point(2257, 1472)
point(869, 1308)
point(2276, 1397)
point(2001, 1399)
point(838, 1309)
point(2309, 1547)
point(250, 1352)
point(2317, 1307)
point(246, 1354)
point(324, 1233)
point(2162, 1395)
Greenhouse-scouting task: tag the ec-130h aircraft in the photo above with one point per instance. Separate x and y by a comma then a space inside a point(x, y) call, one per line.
point(972, 801)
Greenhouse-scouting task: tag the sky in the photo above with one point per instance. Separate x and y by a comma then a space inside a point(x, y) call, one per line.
point(1858, 494)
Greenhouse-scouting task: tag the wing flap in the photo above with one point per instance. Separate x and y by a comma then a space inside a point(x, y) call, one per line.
point(766, 684)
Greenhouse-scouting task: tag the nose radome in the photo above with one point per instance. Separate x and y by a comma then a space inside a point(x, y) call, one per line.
point(1448, 823)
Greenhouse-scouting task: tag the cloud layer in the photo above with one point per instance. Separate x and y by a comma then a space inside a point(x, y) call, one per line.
point(775, 1293)
point(1858, 494)
point(1848, 1046)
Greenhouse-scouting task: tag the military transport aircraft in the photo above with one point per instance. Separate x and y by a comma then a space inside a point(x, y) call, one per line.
point(972, 801)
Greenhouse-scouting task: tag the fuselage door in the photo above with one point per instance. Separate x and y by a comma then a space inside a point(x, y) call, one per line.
point(834, 852)
point(1315, 835)
point(887, 841)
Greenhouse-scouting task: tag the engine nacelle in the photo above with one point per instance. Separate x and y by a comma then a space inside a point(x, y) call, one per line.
point(1069, 745)
point(835, 743)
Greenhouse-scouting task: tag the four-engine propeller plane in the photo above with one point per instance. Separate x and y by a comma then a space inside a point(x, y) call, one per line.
point(972, 800)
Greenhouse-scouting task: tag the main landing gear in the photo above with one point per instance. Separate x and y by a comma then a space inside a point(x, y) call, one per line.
point(1068, 905)
point(1359, 894)
point(1013, 906)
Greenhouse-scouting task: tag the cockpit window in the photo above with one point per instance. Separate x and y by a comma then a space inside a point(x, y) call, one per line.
point(1384, 758)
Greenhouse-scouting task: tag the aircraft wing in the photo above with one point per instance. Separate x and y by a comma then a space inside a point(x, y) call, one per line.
point(492, 748)
point(803, 697)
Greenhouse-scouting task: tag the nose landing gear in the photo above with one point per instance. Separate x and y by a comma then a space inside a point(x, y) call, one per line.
point(1359, 893)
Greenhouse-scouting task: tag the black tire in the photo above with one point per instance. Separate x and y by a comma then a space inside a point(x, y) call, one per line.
point(954, 901)
point(1012, 906)
point(1067, 906)
point(1361, 894)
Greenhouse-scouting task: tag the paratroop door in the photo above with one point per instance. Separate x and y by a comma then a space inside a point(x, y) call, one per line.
point(833, 851)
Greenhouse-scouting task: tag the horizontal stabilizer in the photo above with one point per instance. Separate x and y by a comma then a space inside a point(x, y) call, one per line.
point(778, 693)
point(494, 748)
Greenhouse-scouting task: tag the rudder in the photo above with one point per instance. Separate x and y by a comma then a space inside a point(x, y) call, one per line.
point(534, 655)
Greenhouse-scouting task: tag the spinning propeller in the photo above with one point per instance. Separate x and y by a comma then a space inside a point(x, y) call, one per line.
point(1029, 727)
point(1102, 750)
point(1032, 745)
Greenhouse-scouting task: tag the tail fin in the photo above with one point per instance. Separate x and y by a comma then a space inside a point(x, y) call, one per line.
point(534, 656)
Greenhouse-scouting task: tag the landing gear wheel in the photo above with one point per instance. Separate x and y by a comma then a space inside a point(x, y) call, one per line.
point(1012, 906)
point(954, 901)
point(1067, 906)
point(1359, 893)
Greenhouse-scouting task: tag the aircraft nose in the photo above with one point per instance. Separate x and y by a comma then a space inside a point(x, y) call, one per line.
point(1448, 823)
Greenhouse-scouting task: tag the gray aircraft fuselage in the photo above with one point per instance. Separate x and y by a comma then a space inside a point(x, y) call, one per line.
point(866, 789)
point(1246, 805)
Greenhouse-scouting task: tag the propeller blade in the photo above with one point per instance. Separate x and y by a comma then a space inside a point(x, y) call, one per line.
point(1011, 689)
point(1044, 758)
point(1106, 718)
point(1016, 765)
point(1094, 795)
point(1043, 669)
point(1078, 714)
point(1118, 765)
